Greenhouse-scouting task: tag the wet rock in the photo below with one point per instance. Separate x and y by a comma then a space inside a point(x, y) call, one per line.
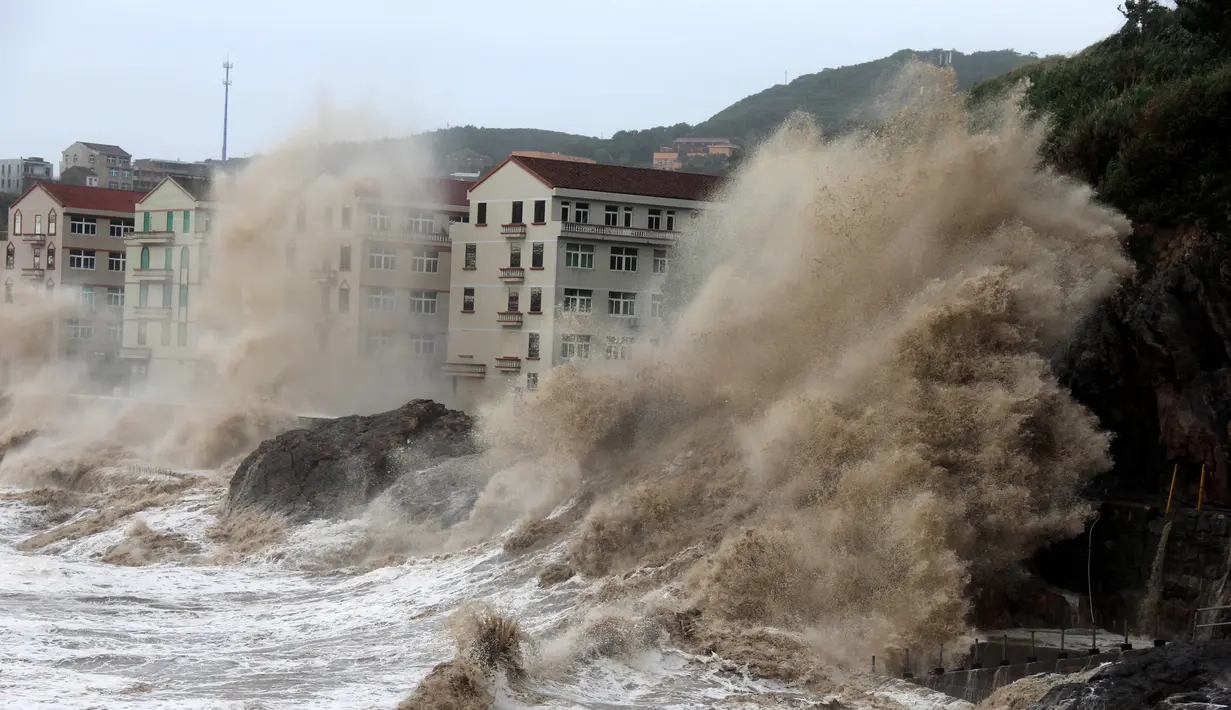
point(335, 469)
point(1181, 675)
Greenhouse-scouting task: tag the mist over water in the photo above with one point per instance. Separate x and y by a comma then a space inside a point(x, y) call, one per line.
point(850, 421)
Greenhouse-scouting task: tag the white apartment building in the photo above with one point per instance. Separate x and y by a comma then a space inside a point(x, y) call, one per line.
point(380, 263)
point(17, 174)
point(561, 260)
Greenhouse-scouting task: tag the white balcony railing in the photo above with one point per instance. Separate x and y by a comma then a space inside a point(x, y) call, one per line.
point(600, 230)
point(465, 369)
point(513, 231)
point(512, 273)
point(508, 364)
point(509, 318)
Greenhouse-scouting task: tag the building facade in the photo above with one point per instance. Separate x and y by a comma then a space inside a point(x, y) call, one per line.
point(148, 172)
point(111, 163)
point(561, 261)
point(18, 174)
point(68, 238)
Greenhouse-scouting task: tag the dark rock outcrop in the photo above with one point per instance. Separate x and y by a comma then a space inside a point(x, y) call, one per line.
point(1178, 676)
point(333, 470)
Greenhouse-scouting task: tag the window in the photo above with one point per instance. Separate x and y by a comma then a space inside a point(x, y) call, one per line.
point(540, 211)
point(619, 347)
point(143, 295)
point(536, 300)
point(142, 330)
point(80, 259)
point(660, 261)
point(611, 216)
point(17, 222)
point(115, 333)
point(344, 258)
point(164, 332)
point(115, 296)
point(623, 258)
point(424, 223)
point(185, 260)
point(536, 255)
point(183, 296)
point(655, 220)
point(10, 257)
point(38, 263)
point(517, 212)
point(471, 256)
point(38, 224)
point(166, 258)
point(422, 345)
point(480, 213)
point(346, 214)
point(121, 227)
point(51, 223)
point(113, 172)
point(145, 224)
point(657, 306)
point(579, 256)
point(514, 300)
point(170, 221)
point(186, 218)
point(301, 219)
point(51, 256)
point(468, 300)
point(379, 298)
point(382, 258)
point(532, 347)
point(182, 338)
point(581, 215)
point(116, 261)
point(532, 381)
point(377, 341)
point(82, 225)
point(578, 300)
point(344, 299)
point(145, 257)
point(564, 211)
point(80, 330)
point(85, 297)
point(628, 216)
point(425, 262)
point(378, 219)
point(166, 295)
point(670, 220)
point(514, 255)
point(573, 345)
point(423, 302)
point(621, 303)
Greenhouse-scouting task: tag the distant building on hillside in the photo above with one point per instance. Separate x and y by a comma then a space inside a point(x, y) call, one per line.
point(148, 172)
point(467, 162)
point(703, 146)
point(551, 156)
point(666, 158)
point(80, 175)
point(18, 174)
point(111, 163)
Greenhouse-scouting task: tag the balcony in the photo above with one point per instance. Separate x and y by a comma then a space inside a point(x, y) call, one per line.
point(509, 318)
point(149, 237)
point(513, 231)
point(512, 273)
point(324, 276)
point(152, 312)
point(439, 236)
point(33, 238)
point(508, 364)
point(152, 274)
point(33, 274)
point(136, 353)
point(464, 369)
point(630, 234)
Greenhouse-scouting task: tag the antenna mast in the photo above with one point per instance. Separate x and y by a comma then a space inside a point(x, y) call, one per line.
point(226, 103)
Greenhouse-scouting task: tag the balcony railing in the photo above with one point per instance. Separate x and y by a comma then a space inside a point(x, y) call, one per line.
point(325, 276)
point(512, 273)
point(600, 230)
point(140, 353)
point(508, 364)
point(509, 318)
point(33, 238)
point(149, 237)
point(33, 274)
point(151, 274)
point(513, 231)
point(152, 311)
point(464, 369)
point(439, 236)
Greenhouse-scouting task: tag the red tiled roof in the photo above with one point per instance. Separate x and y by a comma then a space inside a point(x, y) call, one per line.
point(618, 179)
point(93, 198)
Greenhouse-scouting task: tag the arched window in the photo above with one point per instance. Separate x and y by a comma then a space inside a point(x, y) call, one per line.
point(184, 258)
point(51, 223)
point(17, 223)
point(8, 291)
point(51, 257)
point(344, 298)
point(346, 212)
point(344, 257)
point(145, 257)
point(10, 257)
point(184, 296)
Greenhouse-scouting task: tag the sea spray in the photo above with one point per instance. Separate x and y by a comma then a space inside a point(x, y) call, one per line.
point(858, 370)
point(487, 643)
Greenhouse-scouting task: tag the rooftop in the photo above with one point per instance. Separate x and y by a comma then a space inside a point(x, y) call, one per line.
point(439, 190)
point(200, 189)
point(106, 148)
point(619, 179)
point(90, 198)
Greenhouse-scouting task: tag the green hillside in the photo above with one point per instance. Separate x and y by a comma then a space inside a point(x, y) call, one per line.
point(835, 96)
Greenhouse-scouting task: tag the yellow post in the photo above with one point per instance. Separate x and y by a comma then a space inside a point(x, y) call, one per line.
point(1171, 492)
point(1201, 489)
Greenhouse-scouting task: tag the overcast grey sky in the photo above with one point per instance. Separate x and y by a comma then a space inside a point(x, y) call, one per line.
point(146, 74)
